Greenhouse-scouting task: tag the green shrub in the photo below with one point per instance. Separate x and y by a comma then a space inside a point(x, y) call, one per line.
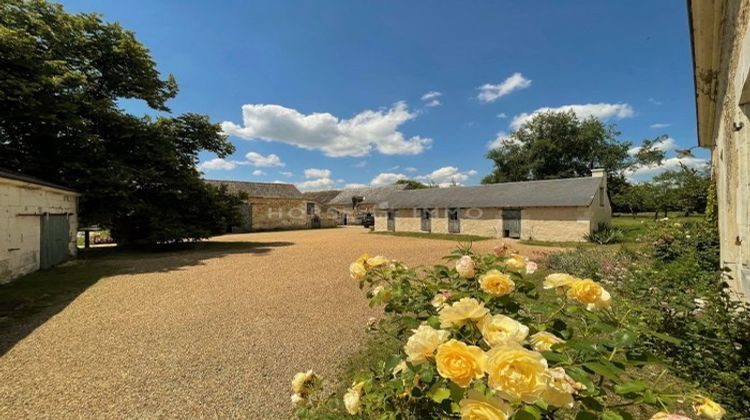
point(479, 334)
point(605, 234)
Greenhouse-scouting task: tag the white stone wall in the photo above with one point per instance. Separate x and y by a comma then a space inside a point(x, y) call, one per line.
point(21, 207)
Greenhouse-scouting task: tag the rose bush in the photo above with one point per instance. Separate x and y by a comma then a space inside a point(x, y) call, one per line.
point(478, 342)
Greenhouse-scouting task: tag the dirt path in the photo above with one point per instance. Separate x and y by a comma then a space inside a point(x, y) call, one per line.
point(214, 335)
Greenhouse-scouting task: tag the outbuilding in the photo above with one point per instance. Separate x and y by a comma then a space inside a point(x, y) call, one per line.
point(38, 224)
point(550, 210)
point(352, 204)
point(276, 206)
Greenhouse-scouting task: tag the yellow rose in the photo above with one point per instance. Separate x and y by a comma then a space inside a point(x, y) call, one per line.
point(423, 343)
point(590, 293)
point(709, 409)
point(439, 300)
point(303, 382)
point(357, 271)
point(516, 263)
point(543, 341)
point(516, 373)
point(351, 399)
point(377, 261)
point(465, 267)
point(496, 283)
point(461, 312)
point(560, 388)
point(298, 400)
point(558, 280)
point(476, 406)
point(500, 329)
point(459, 362)
point(531, 267)
point(363, 259)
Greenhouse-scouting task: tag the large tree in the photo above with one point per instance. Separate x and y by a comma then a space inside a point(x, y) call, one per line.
point(61, 76)
point(554, 145)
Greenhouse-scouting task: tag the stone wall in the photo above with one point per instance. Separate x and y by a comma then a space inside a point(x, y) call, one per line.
point(284, 213)
point(21, 207)
point(544, 224)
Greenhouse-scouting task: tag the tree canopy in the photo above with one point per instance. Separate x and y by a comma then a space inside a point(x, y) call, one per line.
point(61, 77)
point(554, 145)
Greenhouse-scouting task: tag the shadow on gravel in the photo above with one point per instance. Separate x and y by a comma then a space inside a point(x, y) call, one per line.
point(28, 302)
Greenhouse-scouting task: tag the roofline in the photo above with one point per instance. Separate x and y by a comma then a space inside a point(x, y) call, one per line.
point(251, 182)
point(695, 79)
point(36, 181)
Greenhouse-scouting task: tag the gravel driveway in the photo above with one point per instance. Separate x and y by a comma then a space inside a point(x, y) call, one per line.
point(215, 336)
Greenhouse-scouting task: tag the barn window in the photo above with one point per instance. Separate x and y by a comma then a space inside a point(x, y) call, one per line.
point(310, 209)
point(425, 217)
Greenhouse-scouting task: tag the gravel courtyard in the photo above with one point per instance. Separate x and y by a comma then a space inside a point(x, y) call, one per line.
point(214, 335)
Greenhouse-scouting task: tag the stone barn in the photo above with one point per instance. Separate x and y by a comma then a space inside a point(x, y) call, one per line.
point(38, 225)
point(552, 210)
point(720, 34)
point(276, 206)
point(352, 204)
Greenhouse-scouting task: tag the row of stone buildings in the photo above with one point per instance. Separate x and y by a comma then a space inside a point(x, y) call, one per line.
point(552, 210)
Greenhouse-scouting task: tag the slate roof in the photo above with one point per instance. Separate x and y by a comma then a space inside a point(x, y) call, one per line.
point(371, 195)
point(260, 189)
point(322, 197)
point(32, 180)
point(570, 192)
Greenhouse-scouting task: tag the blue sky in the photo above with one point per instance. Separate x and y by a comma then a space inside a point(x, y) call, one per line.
point(325, 94)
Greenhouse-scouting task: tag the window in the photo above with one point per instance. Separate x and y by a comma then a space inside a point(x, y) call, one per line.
point(310, 209)
point(601, 196)
point(453, 223)
point(452, 214)
point(391, 215)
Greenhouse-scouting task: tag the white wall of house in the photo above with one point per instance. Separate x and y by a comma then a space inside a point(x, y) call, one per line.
point(22, 205)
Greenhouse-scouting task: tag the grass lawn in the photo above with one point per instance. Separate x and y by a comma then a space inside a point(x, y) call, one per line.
point(441, 236)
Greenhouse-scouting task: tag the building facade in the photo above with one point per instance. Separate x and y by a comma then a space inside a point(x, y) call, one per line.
point(720, 34)
point(276, 206)
point(552, 210)
point(38, 225)
point(351, 205)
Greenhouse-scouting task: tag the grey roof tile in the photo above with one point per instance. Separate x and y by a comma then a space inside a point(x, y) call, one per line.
point(260, 189)
point(371, 195)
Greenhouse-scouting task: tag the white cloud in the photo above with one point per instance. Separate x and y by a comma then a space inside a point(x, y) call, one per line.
point(659, 125)
point(350, 186)
point(256, 159)
point(386, 178)
point(502, 115)
point(500, 140)
point(490, 93)
point(360, 164)
point(431, 98)
point(644, 172)
point(446, 176)
point(258, 172)
point(316, 184)
point(431, 95)
point(602, 111)
point(218, 164)
point(317, 173)
point(286, 173)
point(654, 101)
point(410, 169)
point(665, 145)
point(336, 137)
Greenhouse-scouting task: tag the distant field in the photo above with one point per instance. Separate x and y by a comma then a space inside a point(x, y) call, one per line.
point(636, 226)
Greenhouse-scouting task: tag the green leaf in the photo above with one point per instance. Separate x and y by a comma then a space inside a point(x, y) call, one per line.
point(439, 393)
point(592, 403)
point(586, 415)
point(630, 387)
point(601, 369)
point(528, 412)
point(611, 415)
point(665, 337)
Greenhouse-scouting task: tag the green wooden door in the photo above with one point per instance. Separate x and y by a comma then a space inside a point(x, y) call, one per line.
point(54, 240)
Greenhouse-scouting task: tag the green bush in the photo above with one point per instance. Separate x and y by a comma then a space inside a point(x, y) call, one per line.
point(480, 338)
point(605, 234)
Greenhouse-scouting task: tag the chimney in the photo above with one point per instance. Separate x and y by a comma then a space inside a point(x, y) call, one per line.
point(598, 173)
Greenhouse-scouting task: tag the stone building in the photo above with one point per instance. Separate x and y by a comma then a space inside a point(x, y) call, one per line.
point(352, 204)
point(720, 33)
point(276, 206)
point(38, 224)
point(551, 210)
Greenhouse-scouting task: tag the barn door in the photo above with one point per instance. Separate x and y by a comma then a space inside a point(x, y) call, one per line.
point(392, 220)
point(511, 223)
point(426, 217)
point(55, 237)
point(454, 225)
